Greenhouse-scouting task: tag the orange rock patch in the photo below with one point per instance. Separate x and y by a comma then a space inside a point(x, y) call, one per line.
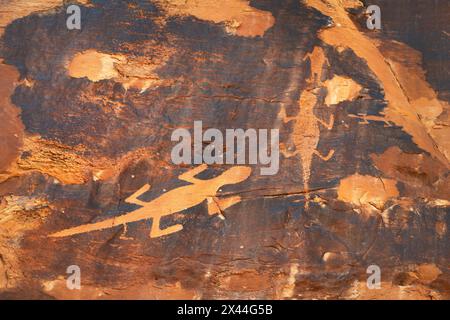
point(11, 132)
point(152, 290)
point(341, 89)
point(138, 73)
point(423, 176)
point(434, 113)
point(367, 190)
point(238, 16)
point(16, 9)
point(94, 65)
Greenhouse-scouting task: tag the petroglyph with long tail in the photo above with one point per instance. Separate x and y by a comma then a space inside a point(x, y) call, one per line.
point(306, 131)
point(172, 202)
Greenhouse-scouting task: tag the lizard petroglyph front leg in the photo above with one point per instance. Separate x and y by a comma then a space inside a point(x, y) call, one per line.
point(324, 158)
point(329, 125)
point(189, 176)
point(283, 116)
point(155, 229)
point(133, 199)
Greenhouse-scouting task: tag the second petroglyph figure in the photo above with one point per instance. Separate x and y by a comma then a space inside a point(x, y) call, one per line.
point(306, 133)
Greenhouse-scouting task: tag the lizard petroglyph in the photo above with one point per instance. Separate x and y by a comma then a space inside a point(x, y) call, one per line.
point(366, 118)
point(174, 201)
point(306, 131)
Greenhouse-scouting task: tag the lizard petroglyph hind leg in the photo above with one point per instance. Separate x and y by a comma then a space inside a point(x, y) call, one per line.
point(156, 231)
point(284, 150)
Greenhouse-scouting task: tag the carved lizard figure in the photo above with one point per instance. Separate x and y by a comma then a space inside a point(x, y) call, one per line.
point(306, 132)
point(171, 202)
point(365, 118)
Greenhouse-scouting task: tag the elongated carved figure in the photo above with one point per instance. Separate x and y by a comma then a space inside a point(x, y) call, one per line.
point(171, 202)
point(366, 118)
point(306, 132)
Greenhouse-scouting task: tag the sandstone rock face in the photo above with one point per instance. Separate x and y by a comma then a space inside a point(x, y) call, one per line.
point(87, 180)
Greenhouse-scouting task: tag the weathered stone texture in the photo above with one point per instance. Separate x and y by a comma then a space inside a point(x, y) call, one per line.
point(87, 117)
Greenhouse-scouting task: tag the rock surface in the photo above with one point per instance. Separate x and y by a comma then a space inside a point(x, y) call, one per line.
point(86, 139)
